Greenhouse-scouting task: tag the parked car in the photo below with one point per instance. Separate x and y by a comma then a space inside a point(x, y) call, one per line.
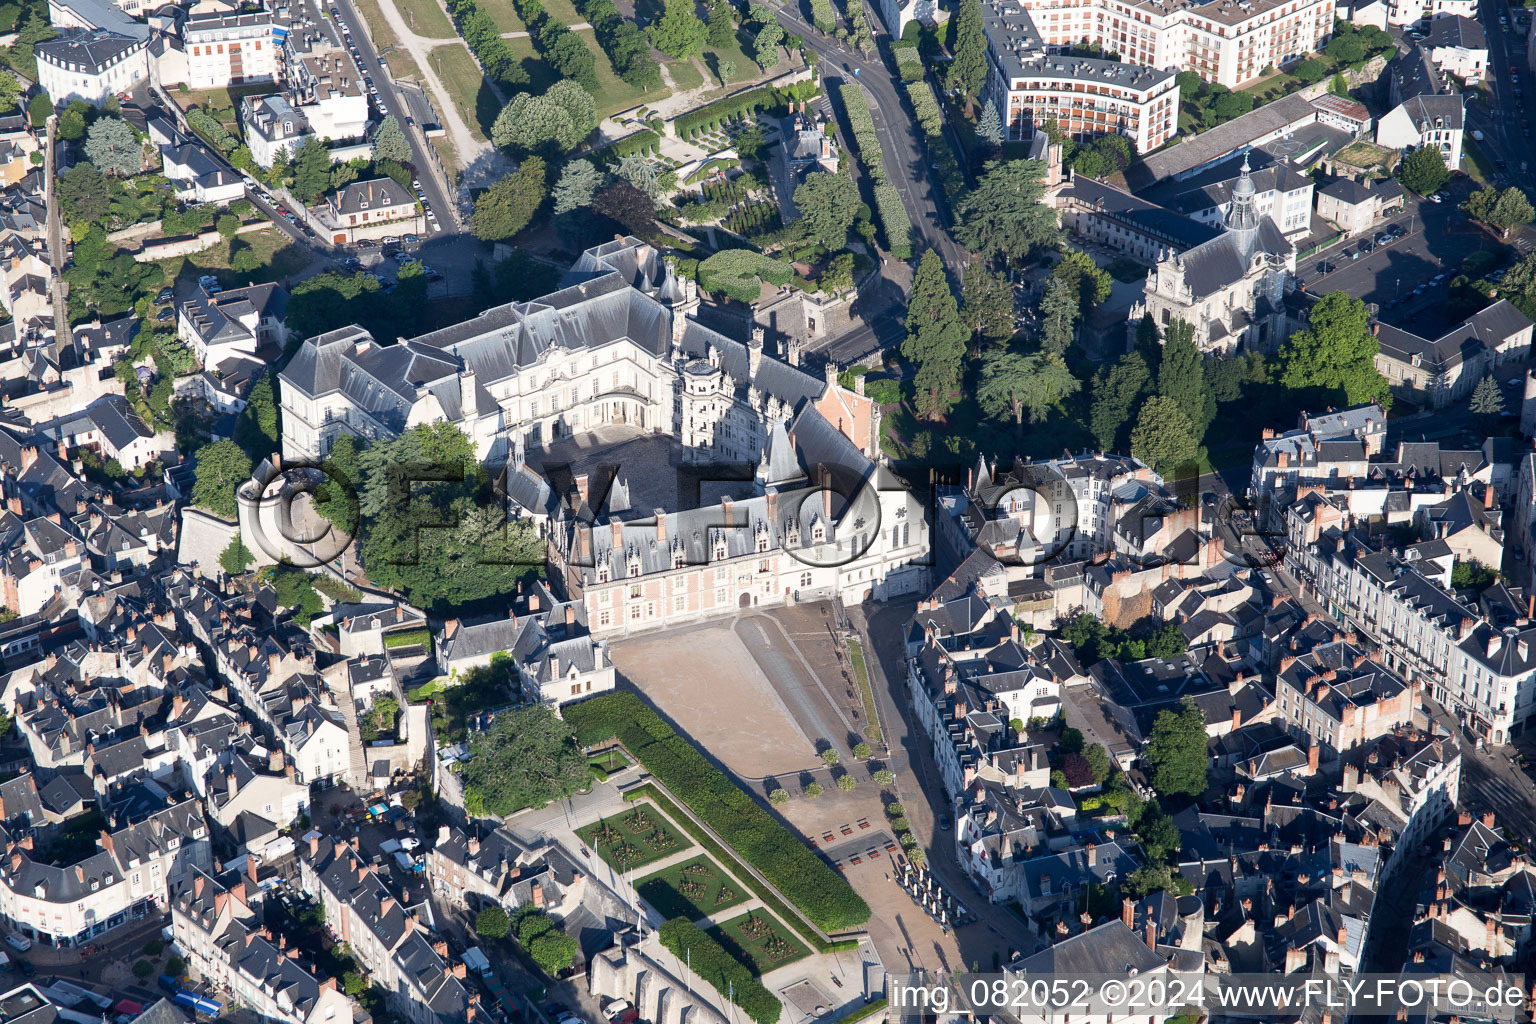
point(165, 315)
point(166, 295)
point(615, 1008)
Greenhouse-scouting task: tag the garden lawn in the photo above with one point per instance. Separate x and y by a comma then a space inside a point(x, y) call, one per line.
point(613, 93)
point(426, 18)
point(759, 941)
point(466, 86)
point(694, 889)
point(746, 69)
point(637, 836)
point(685, 74)
point(378, 28)
point(402, 68)
point(504, 15)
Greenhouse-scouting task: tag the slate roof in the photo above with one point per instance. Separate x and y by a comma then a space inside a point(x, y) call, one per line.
point(1456, 31)
point(1234, 135)
point(95, 49)
point(1485, 329)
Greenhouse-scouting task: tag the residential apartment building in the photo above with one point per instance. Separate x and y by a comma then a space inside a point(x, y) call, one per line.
point(1229, 42)
point(128, 879)
point(233, 326)
point(1458, 46)
point(1085, 96)
point(1329, 447)
point(1477, 662)
point(391, 942)
point(1340, 697)
point(1439, 371)
point(225, 948)
point(91, 65)
point(273, 128)
point(225, 49)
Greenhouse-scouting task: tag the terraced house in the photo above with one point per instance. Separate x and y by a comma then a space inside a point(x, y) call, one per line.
point(127, 879)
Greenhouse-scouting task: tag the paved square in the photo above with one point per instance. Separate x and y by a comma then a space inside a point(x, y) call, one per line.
point(708, 683)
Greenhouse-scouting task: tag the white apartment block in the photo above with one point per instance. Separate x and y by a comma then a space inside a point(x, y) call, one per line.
point(1087, 97)
point(229, 49)
point(1229, 42)
point(1480, 668)
point(92, 65)
point(127, 880)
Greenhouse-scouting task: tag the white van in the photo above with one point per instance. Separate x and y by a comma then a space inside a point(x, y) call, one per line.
point(18, 943)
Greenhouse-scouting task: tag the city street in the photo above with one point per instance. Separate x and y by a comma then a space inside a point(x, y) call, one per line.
point(444, 203)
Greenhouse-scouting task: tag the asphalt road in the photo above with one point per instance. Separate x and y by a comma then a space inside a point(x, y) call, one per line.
point(906, 160)
point(424, 162)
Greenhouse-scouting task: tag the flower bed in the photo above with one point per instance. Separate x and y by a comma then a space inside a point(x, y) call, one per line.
point(784, 860)
point(639, 836)
point(694, 889)
point(759, 941)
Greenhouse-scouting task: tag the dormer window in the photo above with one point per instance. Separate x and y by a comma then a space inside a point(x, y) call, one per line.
point(602, 571)
point(818, 531)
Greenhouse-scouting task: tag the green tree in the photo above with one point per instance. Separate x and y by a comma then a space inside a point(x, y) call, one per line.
point(847, 783)
point(678, 33)
point(1004, 217)
point(779, 797)
point(936, 338)
point(828, 204)
point(228, 225)
point(1346, 49)
point(221, 467)
point(554, 952)
point(311, 169)
point(968, 71)
point(1090, 284)
point(830, 756)
point(1424, 170)
point(353, 983)
point(493, 923)
point(722, 25)
point(84, 198)
point(508, 206)
point(39, 109)
point(813, 790)
point(526, 759)
point(631, 208)
point(1176, 752)
point(1117, 391)
point(765, 47)
point(986, 305)
point(578, 183)
point(641, 173)
point(1164, 438)
point(1181, 377)
point(1058, 316)
point(1487, 399)
point(389, 142)
point(236, 558)
point(1229, 105)
point(1148, 879)
point(1336, 351)
point(1310, 71)
point(1013, 385)
point(114, 148)
point(561, 117)
point(1098, 762)
point(990, 125)
point(71, 125)
point(838, 277)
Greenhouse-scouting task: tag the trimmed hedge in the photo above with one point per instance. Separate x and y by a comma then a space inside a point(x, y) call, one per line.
point(822, 15)
point(864, 1012)
point(709, 960)
point(719, 163)
point(689, 124)
point(863, 127)
point(926, 107)
point(784, 860)
point(909, 63)
point(732, 864)
point(740, 273)
point(893, 216)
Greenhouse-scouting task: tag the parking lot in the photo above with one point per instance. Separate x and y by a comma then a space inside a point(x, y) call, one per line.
point(1408, 276)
